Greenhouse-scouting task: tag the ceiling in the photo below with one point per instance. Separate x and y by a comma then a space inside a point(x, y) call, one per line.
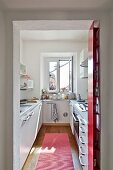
point(77, 35)
point(56, 4)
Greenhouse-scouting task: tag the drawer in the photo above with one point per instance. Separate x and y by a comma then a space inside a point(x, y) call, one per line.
point(84, 167)
point(84, 162)
point(82, 124)
point(83, 139)
point(83, 129)
point(83, 150)
point(82, 121)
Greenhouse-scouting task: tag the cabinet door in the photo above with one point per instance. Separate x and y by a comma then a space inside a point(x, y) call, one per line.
point(28, 132)
point(46, 113)
point(26, 139)
point(71, 118)
point(62, 109)
point(40, 117)
point(34, 122)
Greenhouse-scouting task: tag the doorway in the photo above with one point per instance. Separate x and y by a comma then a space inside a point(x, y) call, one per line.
point(33, 25)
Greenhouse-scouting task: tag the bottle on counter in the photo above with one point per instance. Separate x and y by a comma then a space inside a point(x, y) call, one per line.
point(78, 97)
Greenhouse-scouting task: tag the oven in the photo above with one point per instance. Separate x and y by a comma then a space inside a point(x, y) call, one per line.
point(76, 127)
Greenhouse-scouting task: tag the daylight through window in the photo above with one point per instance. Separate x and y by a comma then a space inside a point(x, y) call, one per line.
point(60, 75)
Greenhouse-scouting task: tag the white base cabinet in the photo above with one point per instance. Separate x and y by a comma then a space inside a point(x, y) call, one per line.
point(71, 117)
point(40, 117)
point(62, 109)
point(28, 132)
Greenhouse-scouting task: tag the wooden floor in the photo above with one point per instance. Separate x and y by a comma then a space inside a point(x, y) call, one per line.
point(32, 159)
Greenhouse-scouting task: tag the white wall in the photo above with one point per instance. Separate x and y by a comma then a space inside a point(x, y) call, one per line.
point(104, 18)
point(21, 51)
point(32, 51)
point(2, 93)
point(82, 83)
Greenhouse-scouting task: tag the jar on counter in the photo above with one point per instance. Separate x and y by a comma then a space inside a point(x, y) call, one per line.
point(63, 96)
point(54, 96)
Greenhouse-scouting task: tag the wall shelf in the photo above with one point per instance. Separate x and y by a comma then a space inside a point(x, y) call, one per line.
point(23, 70)
point(84, 63)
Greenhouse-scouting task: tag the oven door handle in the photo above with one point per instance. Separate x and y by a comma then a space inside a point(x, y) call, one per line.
point(75, 118)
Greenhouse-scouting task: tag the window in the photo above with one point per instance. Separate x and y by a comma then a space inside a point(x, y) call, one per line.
point(53, 76)
point(60, 75)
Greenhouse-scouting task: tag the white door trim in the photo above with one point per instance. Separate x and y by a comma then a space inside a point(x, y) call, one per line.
point(32, 25)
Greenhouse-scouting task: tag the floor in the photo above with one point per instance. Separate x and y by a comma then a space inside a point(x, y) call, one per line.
point(33, 156)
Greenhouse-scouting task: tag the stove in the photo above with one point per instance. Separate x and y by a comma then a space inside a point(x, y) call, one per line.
point(83, 107)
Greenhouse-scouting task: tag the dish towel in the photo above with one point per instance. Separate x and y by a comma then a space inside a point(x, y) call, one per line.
point(54, 112)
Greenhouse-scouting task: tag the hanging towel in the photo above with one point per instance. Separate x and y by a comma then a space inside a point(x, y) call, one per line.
point(54, 113)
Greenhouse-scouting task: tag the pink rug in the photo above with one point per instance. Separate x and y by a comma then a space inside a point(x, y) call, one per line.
point(55, 153)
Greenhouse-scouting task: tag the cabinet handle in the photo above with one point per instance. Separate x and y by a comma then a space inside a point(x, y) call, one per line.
point(82, 130)
point(28, 117)
point(31, 114)
point(82, 121)
point(81, 161)
point(81, 140)
point(80, 149)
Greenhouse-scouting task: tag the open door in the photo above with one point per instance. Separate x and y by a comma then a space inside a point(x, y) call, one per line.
point(94, 97)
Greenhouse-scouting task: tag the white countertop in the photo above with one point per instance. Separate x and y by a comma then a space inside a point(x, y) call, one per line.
point(28, 107)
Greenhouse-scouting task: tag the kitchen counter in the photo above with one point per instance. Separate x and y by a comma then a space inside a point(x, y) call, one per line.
point(83, 114)
point(49, 100)
point(28, 107)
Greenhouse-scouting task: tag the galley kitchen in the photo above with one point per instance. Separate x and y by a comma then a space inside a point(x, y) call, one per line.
point(54, 102)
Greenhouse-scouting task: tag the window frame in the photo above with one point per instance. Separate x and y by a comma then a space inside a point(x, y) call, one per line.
point(48, 78)
point(58, 59)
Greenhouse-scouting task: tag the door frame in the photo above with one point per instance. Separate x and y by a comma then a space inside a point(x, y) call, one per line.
point(32, 25)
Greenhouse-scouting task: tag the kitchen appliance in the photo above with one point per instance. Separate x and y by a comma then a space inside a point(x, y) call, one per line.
point(82, 106)
point(76, 127)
